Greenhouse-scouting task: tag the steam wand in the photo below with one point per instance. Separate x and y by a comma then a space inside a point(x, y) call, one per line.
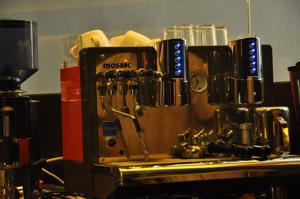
point(137, 127)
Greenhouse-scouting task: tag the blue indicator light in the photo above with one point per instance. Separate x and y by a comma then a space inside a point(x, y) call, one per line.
point(252, 45)
point(253, 71)
point(177, 65)
point(252, 51)
point(252, 58)
point(252, 64)
point(177, 53)
point(177, 46)
point(177, 59)
point(178, 72)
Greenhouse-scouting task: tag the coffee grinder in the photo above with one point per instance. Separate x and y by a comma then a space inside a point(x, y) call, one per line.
point(18, 113)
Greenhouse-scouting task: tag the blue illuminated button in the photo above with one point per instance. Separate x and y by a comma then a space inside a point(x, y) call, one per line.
point(178, 72)
point(252, 52)
point(252, 58)
point(177, 59)
point(177, 46)
point(253, 71)
point(252, 45)
point(252, 64)
point(177, 66)
point(177, 52)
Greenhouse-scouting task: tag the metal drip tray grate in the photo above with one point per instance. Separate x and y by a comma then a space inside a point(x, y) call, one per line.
point(160, 159)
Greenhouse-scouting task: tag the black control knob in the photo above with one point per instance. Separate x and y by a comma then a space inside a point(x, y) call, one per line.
point(111, 141)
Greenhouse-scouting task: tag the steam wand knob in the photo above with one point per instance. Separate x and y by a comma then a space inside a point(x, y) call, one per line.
point(134, 87)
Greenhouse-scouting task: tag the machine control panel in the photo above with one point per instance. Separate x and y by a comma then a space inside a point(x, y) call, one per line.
point(247, 58)
point(171, 57)
point(252, 60)
point(177, 64)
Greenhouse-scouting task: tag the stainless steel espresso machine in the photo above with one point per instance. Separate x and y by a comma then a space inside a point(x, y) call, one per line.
point(133, 102)
point(132, 107)
point(19, 144)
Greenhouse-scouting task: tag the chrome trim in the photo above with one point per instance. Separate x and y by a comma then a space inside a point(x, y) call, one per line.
point(198, 171)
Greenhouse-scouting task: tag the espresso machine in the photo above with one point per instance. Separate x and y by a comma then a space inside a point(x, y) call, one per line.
point(127, 99)
point(125, 108)
point(19, 145)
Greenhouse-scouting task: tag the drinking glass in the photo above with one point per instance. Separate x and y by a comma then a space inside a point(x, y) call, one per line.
point(169, 33)
point(221, 35)
point(68, 43)
point(205, 35)
point(185, 31)
point(172, 33)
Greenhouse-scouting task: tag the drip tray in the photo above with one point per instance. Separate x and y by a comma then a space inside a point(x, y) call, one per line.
point(115, 173)
point(159, 159)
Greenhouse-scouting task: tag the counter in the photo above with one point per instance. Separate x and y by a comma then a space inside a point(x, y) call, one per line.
point(137, 177)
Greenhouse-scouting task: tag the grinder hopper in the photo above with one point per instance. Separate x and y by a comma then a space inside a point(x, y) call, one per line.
point(18, 52)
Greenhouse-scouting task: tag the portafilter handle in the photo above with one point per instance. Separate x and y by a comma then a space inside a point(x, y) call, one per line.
point(240, 150)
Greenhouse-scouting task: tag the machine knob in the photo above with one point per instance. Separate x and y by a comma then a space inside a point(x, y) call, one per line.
point(110, 141)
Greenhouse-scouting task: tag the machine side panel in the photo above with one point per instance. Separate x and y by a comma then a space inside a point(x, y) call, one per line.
point(71, 114)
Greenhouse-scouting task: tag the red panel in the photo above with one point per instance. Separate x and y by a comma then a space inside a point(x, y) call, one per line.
point(71, 114)
point(23, 150)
